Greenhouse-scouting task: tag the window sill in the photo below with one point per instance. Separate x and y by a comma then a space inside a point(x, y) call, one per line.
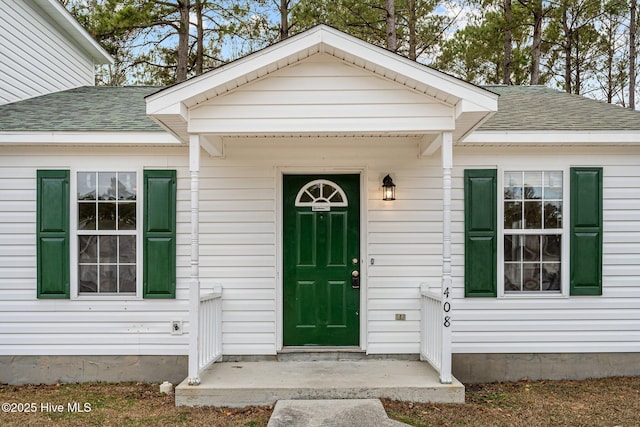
point(534, 295)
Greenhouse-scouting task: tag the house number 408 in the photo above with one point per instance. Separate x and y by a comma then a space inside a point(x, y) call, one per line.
point(446, 307)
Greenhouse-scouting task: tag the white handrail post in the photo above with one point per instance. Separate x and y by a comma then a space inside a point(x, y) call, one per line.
point(447, 166)
point(194, 283)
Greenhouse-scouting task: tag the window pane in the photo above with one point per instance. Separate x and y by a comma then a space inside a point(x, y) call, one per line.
point(108, 278)
point(106, 186)
point(88, 278)
point(513, 215)
point(126, 216)
point(533, 185)
point(306, 197)
point(531, 277)
point(314, 190)
point(551, 276)
point(108, 249)
point(533, 215)
point(327, 191)
point(87, 249)
point(106, 216)
point(513, 179)
point(513, 248)
point(553, 215)
point(513, 185)
point(128, 249)
point(551, 248)
point(86, 216)
point(511, 193)
point(532, 248)
point(86, 186)
point(127, 278)
point(553, 185)
point(127, 186)
point(512, 281)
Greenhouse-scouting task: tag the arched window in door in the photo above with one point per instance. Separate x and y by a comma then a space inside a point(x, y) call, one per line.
point(321, 193)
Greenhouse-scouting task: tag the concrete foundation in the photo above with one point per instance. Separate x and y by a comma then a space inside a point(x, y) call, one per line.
point(468, 368)
point(80, 369)
point(482, 368)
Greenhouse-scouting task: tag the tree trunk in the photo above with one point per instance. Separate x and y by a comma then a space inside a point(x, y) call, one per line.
point(536, 44)
point(568, 44)
point(632, 53)
point(391, 25)
point(183, 41)
point(508, 43)
point(199, 39)
point(412, 22)
point(610, 58)
point(577, 82)
point(284, 19)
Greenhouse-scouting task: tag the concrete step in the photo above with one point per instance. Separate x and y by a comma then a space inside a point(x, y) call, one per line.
point(334, 413)
point(239, 384)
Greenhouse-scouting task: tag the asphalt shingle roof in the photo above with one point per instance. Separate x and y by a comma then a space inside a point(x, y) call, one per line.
point(88, 108)
point(528, 108)
point(101, 108)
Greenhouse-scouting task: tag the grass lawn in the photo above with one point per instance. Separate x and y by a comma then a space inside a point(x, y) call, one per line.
point(601, 402)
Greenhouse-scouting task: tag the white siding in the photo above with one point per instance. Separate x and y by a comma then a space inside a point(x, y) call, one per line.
point(36, 57)
point(78, 327)
point(607, 323)
point(240, 247)
point(239, 250)
point(321, 94)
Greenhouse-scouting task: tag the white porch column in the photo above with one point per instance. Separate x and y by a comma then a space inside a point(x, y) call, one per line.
point(447, 165)
point(194, 284)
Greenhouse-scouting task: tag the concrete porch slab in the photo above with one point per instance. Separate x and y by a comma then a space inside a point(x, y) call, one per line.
point(239, 384)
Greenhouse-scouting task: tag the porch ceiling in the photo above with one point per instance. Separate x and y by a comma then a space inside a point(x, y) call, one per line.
point(471, 105)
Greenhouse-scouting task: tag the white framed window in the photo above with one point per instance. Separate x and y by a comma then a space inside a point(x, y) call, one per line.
point(107, 241)
point(533, 237)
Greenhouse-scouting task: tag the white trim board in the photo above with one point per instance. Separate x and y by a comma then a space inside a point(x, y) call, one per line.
point(569, 137)
point(87, 138)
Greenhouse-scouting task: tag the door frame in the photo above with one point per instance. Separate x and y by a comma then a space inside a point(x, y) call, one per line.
point(280, 171)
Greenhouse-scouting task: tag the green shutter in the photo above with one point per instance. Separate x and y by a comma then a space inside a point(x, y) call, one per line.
point(480, 238)
point(52, 233)
point(586, 231)
point(159, 237)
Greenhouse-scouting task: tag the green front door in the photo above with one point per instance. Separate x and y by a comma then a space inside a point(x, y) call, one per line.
point(321, 235)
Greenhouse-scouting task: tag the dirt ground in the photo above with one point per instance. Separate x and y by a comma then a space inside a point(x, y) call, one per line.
point(602, 402)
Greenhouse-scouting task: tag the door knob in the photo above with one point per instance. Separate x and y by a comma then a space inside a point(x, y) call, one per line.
point(355, 279)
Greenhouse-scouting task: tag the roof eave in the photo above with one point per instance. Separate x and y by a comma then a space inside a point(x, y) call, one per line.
point(63, 18)
point(88, 138)
point(552, 137)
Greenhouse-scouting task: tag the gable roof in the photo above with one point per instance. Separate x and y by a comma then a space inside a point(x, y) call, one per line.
point(472, 103)
point(58, 14)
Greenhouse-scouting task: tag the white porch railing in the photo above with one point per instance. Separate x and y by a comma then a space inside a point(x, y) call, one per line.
point(435, 333)
point(210, 329)
point(205, 337)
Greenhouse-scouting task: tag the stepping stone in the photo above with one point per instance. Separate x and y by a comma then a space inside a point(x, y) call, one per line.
point(331, 413)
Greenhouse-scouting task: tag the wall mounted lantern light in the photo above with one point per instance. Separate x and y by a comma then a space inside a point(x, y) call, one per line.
point(388, 189)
